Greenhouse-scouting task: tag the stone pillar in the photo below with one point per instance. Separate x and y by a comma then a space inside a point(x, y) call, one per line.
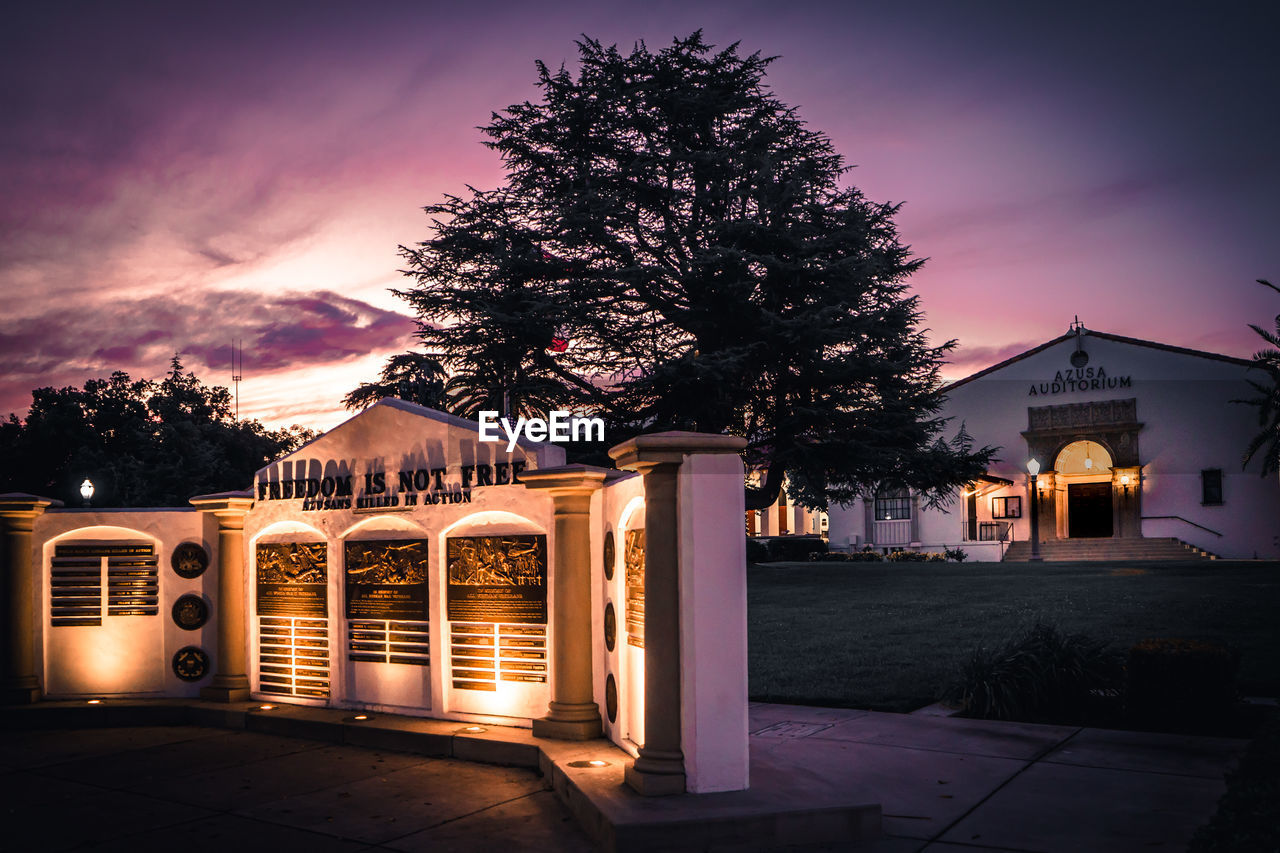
point(573, 713)
point(1052, 522)
point(18, 513)
point(659, 769)
point(230, 680)
point(1127, 501)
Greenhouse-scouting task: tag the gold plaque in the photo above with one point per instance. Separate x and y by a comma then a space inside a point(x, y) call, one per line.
point(633, 560)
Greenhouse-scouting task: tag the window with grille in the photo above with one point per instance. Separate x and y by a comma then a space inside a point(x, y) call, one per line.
point(893, 505)
point(1010, 507)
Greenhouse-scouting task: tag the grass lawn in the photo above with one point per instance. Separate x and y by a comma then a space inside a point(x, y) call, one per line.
point(889, 636)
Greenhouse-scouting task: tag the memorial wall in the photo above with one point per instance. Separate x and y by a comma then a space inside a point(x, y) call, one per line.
point(399, 563)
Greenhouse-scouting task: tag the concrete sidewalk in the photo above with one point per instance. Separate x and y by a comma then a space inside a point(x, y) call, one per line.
point(189, 788)
point(949, 784)
point(943, 784)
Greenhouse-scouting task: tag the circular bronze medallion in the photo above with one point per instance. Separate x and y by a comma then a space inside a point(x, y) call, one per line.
point(191, 663)
point(611, 698)
point(608, 556)
point(610, 627)
point(1079, 358)
point(190, 612)
point(189, 560)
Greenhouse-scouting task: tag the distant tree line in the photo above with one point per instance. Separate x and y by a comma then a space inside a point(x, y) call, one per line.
point(140, 442)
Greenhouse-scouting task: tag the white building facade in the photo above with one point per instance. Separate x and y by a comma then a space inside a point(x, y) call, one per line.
point(1135, 441)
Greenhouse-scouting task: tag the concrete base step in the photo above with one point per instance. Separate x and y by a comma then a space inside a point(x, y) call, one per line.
point(1085, 550)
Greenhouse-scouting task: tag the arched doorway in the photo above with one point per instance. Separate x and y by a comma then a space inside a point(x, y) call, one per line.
point(1083, 471)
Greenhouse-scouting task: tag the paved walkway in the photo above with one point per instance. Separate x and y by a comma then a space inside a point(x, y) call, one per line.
point(185, 789)
point(945, 784)
point(948, 784)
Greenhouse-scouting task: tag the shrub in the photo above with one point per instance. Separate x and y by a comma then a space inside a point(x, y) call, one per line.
point(1248, 816)
point(957, 553)
point(756, 551)
point(917, 557)
point(1043, 676)
point(1181, 685)
point(795, 548)
point(846, 557)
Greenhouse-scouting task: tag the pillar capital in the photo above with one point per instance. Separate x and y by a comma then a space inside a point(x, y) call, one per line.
point(228, 507)
point(566, 480)
point(19, 510)
point(646, 452)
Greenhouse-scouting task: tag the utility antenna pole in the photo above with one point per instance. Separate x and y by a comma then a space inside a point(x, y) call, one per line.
point(237, 372)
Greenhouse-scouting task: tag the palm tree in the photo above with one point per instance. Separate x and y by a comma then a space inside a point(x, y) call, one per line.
point(513, 395)
point(412, 376)
point(1268, 400)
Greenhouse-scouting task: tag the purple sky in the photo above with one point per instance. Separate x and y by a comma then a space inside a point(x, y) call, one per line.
point(173, 177)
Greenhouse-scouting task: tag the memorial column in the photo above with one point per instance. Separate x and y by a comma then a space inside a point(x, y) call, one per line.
point(572, 713)
point(18, 513)
point(660, 769)
point(230, 680)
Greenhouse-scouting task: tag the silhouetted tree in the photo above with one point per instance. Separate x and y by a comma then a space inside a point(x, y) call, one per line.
point(488, 301)
point(142, 443)
point(690, 237)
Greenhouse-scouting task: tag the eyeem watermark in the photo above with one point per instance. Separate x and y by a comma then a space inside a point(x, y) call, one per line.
point(561, 427)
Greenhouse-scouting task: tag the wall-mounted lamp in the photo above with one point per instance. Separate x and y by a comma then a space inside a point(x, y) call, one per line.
point(1124, 482)
point(86, 491)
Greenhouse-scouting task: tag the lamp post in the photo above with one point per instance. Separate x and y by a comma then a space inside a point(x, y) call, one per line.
point(1124, 502)
point(86, 491)
point(1033, 468)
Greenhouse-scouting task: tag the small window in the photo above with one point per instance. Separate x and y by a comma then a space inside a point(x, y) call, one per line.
point(1211, 486)
point(893, 505)
point(1010, 507)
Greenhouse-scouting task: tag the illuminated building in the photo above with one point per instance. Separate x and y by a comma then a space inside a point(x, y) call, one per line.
point(1139, 446)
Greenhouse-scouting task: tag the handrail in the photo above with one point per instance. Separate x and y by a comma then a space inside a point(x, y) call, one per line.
point(1180, 518)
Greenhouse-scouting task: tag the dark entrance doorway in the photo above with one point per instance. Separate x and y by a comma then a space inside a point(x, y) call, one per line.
point(1089, 510)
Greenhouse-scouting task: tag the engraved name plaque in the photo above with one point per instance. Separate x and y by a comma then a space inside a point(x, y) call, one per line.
point(292, 580)
point(387, 579)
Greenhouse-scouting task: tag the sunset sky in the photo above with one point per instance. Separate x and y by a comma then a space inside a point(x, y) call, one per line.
point(176, 176)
